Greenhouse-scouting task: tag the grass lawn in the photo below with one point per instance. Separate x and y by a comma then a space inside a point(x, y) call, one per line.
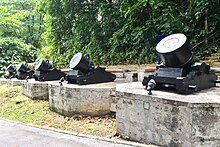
point(15, 106)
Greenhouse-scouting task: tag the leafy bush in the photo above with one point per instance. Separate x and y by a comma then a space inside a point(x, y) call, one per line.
point(110, 31)
point(122, 32)
point(14, 51)
point(21, 27)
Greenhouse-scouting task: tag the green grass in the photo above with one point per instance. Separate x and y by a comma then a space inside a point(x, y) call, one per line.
point(15, 106)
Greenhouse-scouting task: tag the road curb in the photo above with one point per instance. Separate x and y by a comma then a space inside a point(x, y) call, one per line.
point(81, 135)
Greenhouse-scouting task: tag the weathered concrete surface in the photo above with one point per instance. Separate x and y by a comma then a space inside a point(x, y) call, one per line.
point(11, 82)
point(3, 81)
point(145, 72)
point(14, 82)
point(119, 74)
point(168, 119)
point(142, 74)
point(127, 76)
point(217, 71)
point(131, 76)
point(92, 99)
point(35, 90)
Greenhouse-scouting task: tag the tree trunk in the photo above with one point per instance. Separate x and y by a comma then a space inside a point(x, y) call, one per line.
point(190, 6)
point(206, 26)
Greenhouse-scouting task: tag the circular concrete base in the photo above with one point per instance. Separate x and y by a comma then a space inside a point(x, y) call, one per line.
point(168, 119)
point(70, 99)
point(35, 89)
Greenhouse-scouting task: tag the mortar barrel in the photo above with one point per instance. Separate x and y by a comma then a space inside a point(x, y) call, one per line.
point(43, 65)
point(11, 68)
point(80, 62)
point(23, 68)
point(174, 50)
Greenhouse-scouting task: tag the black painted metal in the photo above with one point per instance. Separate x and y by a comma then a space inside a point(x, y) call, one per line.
point(181, 74)
point(81, 62)
point(23, 68)
point(175, 57)
point(84, 72)
point(43, 65)
point(24, 72)
point(11, 68)
point(11, 72)
point(44, 71)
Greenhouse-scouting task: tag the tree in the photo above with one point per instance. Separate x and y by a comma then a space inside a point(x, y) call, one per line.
point(122, 31)
point(21, 27)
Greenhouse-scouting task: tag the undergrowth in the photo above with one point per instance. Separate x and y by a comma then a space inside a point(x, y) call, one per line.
point(15, 106)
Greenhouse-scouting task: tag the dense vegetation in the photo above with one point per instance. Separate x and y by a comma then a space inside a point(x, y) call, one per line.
point(21, 27)
point(110, 31)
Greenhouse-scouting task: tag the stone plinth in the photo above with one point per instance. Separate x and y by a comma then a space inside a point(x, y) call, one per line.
point(3, 81)
point(35, 90)
point(142, 74)
point(14, 82)
point(145, 72)
point(168, 119)
point(217, 71)
point(92, 99)
point(131, 76)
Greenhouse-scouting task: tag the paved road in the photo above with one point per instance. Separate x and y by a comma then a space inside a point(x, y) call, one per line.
point(13, 134)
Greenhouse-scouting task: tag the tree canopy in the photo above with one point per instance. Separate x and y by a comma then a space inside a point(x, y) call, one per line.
point(21, 27)
point(110, 31)
point(122, 31)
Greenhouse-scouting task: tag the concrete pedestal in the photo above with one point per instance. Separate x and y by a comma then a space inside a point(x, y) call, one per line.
point(92, 99)
point(3, 81)
point(14, 82)
point(168, 119)
point(131, 76)
point(145, 72)
point(217, 72)
point(35, 89)
point(142, 74)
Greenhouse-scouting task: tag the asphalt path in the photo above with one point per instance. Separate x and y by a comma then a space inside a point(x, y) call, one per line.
point(14, 134)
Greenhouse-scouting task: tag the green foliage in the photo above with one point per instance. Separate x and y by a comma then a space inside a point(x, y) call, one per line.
point(110, 31)
point(21, 27)
point(123, 31)
point(13, 51)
